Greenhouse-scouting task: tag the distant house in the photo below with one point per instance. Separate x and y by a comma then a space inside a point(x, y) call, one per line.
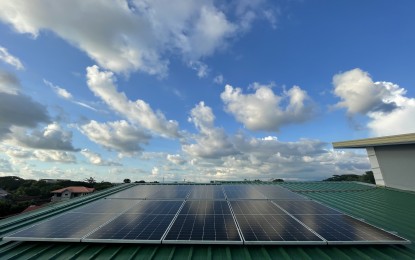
point(3, 194)
point(70, 192)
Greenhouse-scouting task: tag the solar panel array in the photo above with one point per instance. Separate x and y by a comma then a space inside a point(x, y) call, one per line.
point(207, 214)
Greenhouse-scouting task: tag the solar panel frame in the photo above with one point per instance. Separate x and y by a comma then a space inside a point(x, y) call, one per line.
point(293, 209)
point(215, 190)
point(275, 192)
point(140, 191)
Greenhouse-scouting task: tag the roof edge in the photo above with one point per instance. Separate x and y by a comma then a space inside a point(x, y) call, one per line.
point(377, 141)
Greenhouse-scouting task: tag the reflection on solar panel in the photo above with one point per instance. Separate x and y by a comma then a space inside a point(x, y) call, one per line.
point(106, 206)
point(171, 192)
point(155, 207)
point(194, 214)
point(204, 221)
point(70, 227)
point(275, 229)
point(136, 192)
point(343, 229)
point(145, 223)
point(242, 192)
point(255, 207)
point(143, 228)
point(305, 207)
point(207, 192)
point(278, 192)
point(263, 222)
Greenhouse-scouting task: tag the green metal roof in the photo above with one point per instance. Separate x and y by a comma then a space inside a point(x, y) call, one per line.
point(390, 209)
point(377, 141)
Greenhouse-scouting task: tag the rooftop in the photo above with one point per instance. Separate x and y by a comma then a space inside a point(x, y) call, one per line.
point(75, 189)
point(390, 209)
point(377, 141)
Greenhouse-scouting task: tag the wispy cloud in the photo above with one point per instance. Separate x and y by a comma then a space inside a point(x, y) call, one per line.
point(6, 57)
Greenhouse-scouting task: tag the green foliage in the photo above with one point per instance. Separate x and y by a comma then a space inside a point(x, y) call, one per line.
point(367, 177)
point(103, 185)
point(127, 181)
point(277, 180)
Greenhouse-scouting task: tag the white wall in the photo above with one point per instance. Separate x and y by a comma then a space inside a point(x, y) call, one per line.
point(397, 165)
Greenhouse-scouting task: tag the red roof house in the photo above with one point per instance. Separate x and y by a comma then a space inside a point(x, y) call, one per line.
point(70, 192)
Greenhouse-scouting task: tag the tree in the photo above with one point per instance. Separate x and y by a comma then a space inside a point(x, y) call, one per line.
point(127, 181)
point(277, 180)
point(90, 180)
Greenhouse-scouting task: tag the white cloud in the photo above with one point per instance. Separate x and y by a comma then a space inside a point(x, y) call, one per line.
point(218, 79)
point(359, 94)
point(119, 136)
point(176, 159)
point(54, 156)
point(102, 84)
point(385, 104)
point(61, 92)
point(135, 35)
point(96, 159)
point(263, 110)
point(20, 155)
point(52, 137)
point(211, 142)
point(5, 167)
point(6, 57)
point(201, 68)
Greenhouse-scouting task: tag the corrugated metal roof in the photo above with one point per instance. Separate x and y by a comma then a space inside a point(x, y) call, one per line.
point(377, 141)
point(390, 209)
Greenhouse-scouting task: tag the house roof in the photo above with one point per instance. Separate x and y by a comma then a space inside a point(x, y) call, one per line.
point(387, 208)
point(377, 141)
point(75, 189)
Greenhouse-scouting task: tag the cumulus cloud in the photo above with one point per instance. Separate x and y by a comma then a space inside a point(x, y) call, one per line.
point(264, 110)
point(176, 159)
point(201, 68)
point(135, 35)
point(17, 109)
point(6, 57)
point(51, 137)
point(119, 136)
point(102, 84)
point(211, 142)
point(359, 94)
point(20, 155)
point(96, 159)
point(385, 104)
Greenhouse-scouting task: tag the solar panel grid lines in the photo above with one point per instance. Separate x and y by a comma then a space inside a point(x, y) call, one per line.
point(145, 224)
point(140, 191)
point(305, 207)
point(242, 192)
point(74, 224)
point(171, 192)
point(262, 222)
point(209, 192)
point(204, 222)
point(278, 192)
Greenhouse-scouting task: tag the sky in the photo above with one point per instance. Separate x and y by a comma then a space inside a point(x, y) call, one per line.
point(201, 90)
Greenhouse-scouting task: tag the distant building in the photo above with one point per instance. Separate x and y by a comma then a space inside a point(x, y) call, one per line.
point(53, 180)
point(70, 192)
point(392, 159)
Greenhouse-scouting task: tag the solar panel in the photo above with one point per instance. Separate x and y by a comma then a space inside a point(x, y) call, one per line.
point(308, 207)
point(171, 192)
point(209, 214)
point(343, 229)
point(106, 206)
point(278, 192)
point(204, 221)
point(275, 229)
point(70, 227)
point(155, 207)
point(242, 192)
point(207, 192)
point(140, 191)
point(133, 228)
point(256, 207)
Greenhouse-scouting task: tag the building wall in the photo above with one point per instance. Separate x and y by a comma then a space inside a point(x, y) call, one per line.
point(397, 165)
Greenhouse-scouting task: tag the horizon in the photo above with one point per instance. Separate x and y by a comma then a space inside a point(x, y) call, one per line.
point(201, 91)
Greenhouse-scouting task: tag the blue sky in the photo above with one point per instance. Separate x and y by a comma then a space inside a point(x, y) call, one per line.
point(200, 91)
